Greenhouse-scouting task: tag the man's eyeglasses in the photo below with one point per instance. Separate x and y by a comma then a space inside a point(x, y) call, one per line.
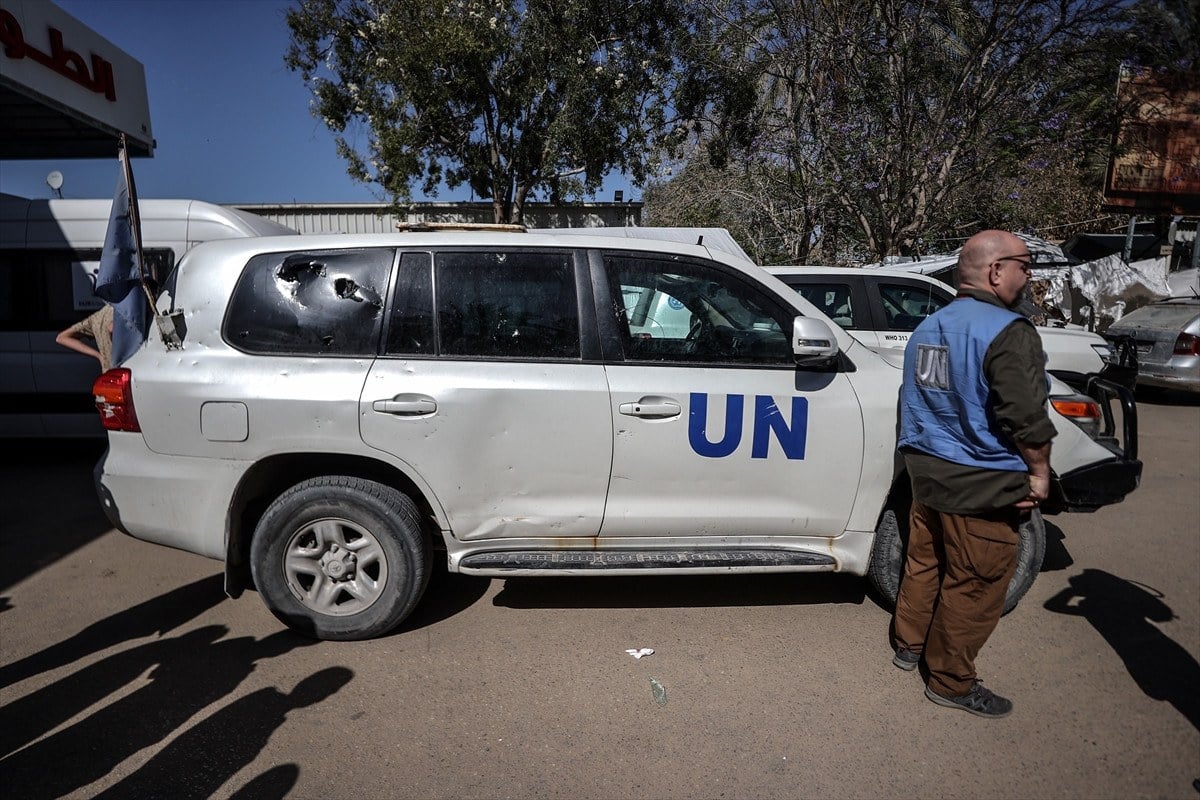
point(1026, 262)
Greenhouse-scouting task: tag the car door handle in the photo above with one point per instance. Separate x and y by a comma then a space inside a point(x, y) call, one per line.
point(651, 408)
point(406, 405)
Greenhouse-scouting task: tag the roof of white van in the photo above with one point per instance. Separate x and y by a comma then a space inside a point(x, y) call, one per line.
point(82, 223)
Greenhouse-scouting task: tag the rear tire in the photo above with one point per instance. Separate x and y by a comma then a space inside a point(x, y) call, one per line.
point(340, 557)
point(891, 538)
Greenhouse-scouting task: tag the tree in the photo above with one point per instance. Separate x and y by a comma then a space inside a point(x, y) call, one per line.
point(508, 98)
point(703, 195)
point(759, 203)
point(1163, 35)
point(886, 112)
point(1057, 184)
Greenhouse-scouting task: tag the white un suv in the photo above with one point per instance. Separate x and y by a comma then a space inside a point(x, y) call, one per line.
point(333, 411)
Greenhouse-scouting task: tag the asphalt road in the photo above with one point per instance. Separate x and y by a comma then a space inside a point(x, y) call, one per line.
point(125, 672)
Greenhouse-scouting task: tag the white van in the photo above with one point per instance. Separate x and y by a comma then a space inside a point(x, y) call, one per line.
point(49, 253)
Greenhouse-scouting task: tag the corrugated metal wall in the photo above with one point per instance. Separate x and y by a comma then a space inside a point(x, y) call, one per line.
point(380, 218)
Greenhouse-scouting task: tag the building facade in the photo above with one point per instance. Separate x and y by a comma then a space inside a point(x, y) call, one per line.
point(385, 218)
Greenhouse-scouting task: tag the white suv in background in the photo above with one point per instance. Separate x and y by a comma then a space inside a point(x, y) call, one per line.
point(882, 307)
point(336, 409)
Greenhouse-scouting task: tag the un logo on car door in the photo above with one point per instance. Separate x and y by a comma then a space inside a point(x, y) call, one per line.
point(767, 419)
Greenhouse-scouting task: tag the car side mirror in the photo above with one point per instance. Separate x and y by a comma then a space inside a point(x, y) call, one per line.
point(813, 342)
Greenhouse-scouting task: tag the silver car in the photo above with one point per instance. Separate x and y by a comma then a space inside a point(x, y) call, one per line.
point(1167, 337)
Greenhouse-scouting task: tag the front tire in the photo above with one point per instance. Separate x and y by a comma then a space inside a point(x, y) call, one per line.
point(341, 558)
point(891, 538)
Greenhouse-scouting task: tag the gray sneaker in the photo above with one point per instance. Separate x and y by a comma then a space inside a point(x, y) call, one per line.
point(906, 659)
point(979, 701)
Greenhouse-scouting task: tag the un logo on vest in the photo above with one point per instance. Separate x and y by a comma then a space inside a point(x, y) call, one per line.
point(933, 366)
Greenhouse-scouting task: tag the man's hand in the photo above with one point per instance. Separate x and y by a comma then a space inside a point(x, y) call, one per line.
point(1039, 490)
point(1037, 456)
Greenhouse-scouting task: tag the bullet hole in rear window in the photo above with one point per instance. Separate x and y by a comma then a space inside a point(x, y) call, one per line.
point(296, 303)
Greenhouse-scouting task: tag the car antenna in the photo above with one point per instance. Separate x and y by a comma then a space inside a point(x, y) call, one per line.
point(700, 241)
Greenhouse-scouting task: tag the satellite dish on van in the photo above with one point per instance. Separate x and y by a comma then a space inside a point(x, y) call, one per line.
point(55, 181)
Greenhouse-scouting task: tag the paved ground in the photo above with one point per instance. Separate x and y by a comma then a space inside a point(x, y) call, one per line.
point(124, 670)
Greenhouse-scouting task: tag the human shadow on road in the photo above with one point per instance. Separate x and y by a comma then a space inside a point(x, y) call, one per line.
point(32, 715)
point(682, 591)
point(155, 616)
point(1123, 612)
point(200, 760)
point(190, 673)
point(274, 784)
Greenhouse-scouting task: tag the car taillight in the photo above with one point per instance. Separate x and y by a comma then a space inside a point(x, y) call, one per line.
point(114, 400)
point(1080, 409)
point(1188, 344)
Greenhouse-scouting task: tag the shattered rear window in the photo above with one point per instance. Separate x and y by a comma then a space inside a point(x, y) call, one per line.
point(1168, 316)
point(317, 303)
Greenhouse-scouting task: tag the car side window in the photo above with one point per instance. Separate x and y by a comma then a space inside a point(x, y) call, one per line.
point(833, 299)
point(680, 311)
point(906, 305)
point(411, 331)
point(327, 302)
point(506, 304)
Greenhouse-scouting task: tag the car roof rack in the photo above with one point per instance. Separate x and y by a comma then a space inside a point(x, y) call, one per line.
point(419, 227)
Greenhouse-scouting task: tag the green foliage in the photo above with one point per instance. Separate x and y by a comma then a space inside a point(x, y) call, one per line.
point(1163, 35)
point(507, 98)
point(761, 205)
point(913, 120)
point(815, 130)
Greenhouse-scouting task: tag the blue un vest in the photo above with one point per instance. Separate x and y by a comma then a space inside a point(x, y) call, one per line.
point(944, 385)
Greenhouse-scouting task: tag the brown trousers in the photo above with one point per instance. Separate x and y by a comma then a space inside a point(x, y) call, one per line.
point(956, 573)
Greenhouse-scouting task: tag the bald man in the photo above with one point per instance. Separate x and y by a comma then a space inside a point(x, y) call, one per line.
point(975, 436)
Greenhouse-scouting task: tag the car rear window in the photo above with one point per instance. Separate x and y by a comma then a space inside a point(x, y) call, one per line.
point(1163, 316)
point(310, 303)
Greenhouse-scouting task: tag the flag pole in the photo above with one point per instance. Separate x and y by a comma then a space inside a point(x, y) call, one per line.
point(135, 218)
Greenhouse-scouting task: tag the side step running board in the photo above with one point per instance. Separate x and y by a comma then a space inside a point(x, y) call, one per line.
point(642, 559)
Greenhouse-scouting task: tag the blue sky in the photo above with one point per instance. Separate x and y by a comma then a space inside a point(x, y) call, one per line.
point(231, 122)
